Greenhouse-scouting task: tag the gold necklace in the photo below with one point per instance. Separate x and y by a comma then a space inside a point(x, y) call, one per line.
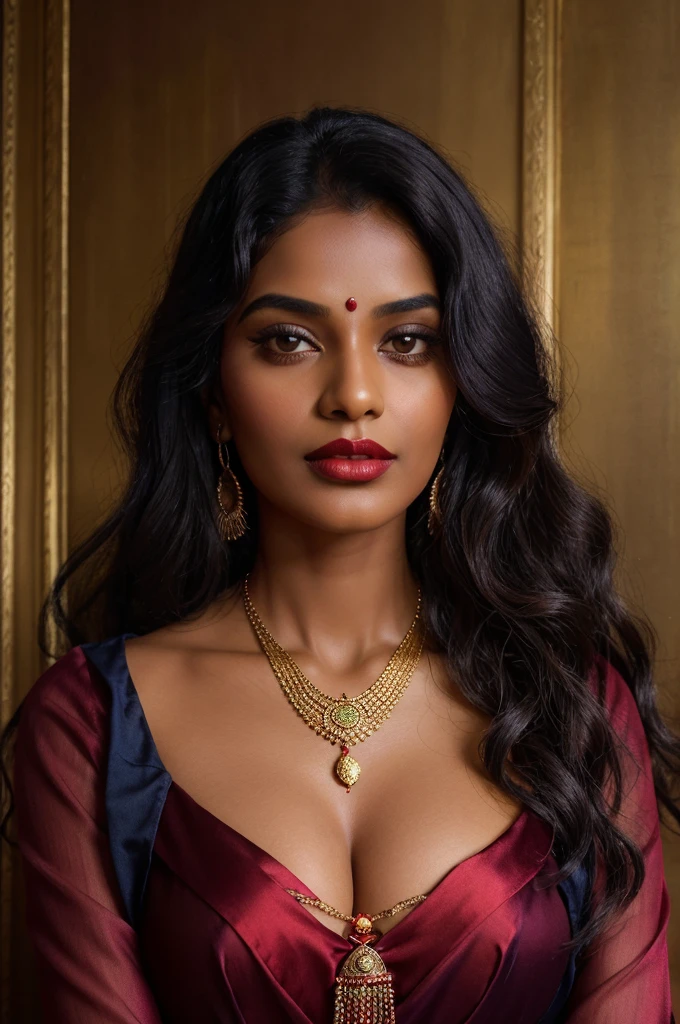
point(363, 990)
point(345, 719)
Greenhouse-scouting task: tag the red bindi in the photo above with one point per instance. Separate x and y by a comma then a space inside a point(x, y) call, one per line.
point(351, 304)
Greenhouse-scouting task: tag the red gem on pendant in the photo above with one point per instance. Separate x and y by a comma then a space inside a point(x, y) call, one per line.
point(351, 304)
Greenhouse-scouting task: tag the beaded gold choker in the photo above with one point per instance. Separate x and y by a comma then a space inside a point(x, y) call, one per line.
point(347, 720)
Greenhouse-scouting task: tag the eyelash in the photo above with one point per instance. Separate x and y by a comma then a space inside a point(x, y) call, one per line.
point(283, 330)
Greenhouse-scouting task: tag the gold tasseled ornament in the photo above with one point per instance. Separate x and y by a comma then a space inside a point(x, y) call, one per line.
point(363, 986)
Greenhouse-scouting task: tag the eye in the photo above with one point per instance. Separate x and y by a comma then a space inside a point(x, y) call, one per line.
point(411, 346)
point(406, 344)
point(287, 341)
point(283, 343)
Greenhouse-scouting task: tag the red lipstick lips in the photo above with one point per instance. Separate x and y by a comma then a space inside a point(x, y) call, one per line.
point(333, 460)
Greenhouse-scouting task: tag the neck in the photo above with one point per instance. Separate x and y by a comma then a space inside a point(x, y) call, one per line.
point(335, 596)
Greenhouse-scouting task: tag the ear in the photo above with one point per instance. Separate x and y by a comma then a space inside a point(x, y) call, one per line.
point(214, 405)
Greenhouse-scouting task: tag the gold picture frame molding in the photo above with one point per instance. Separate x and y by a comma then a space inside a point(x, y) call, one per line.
point(34, 256)
point(8, 449)
point(540, 179)
point(541, 154)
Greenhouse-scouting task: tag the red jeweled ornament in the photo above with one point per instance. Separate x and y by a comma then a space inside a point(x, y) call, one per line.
point(351, 304)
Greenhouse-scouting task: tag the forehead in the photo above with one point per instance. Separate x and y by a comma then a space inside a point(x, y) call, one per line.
point(330, 252)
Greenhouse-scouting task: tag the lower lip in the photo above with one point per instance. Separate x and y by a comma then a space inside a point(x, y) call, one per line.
point(353, 470)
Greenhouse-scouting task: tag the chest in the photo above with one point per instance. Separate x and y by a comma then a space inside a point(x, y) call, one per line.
point(423, 803)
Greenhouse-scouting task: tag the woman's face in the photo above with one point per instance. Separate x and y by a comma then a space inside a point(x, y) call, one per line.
point(299, 370)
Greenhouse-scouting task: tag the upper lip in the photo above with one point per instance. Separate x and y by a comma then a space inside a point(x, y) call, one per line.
point(343, 446)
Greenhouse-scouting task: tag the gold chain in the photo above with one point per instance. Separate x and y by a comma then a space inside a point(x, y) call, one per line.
point(301, 898)
point(347, 719)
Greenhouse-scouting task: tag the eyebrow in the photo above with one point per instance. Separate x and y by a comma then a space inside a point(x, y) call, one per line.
point(273, 300)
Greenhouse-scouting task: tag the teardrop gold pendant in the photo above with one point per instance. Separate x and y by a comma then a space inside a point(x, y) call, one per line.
point(347, 768)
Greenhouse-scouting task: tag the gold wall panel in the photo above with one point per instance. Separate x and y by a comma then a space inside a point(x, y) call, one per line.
point(565, 120)
point(620, 302)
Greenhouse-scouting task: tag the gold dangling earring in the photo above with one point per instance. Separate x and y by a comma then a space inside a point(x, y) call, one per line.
point(434, 516)
point(231, 521)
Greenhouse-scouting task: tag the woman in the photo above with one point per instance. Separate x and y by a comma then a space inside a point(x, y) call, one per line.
point(353, 725)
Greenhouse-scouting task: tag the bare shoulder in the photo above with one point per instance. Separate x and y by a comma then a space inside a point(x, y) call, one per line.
point(219, 628)
point(184, 659)
point(200, 688)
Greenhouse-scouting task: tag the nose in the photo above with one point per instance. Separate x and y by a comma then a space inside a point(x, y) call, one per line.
point(353, 384)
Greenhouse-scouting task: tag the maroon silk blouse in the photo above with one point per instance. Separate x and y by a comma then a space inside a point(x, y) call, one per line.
point(144, 907)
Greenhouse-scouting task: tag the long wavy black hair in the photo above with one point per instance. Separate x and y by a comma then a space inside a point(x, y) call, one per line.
point(518, 586)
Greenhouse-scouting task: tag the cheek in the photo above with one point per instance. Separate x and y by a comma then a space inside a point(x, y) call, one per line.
point(265, 411)
point(421, 405)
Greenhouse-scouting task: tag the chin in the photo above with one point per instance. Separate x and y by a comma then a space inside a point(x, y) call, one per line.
point(360, 521)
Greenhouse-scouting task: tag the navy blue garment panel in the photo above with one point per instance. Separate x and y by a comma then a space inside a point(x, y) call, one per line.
point(575, 891)
point(137, 782)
